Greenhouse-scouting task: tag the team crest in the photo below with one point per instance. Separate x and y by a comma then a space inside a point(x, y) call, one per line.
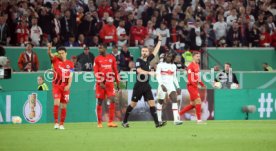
point(110, 60)
point(67, 66)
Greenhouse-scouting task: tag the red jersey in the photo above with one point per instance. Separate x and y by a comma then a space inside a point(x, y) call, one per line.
point(264, 38)
point(108, 33)
point(138, 33)
point(62, 70)
point(103, 9)
point(193, 71)
point(105, 69)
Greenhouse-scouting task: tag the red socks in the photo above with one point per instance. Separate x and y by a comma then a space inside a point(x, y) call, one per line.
point(198, 111)
point(111, 112)
point(55, 112)
point(186, 109)
point(99, 113)
point(62, 116)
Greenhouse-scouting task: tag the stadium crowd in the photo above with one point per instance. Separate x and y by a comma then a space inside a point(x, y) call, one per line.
point(183, 24)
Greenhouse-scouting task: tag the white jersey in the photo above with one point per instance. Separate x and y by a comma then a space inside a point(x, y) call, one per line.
point(166, 75)
point(166, 72)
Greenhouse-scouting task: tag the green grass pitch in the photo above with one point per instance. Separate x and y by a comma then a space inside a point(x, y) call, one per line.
point(141, 136)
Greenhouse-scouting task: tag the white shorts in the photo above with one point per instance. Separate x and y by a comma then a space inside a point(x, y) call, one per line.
point(161, 95)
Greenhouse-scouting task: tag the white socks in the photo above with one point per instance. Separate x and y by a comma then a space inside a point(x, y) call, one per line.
point(175, 112)
point(159, 111)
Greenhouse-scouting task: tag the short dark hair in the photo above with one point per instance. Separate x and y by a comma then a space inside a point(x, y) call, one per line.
point(86, 47)
point(228, 63)
point(265, 63)
point(103, 44)
point(61, 49)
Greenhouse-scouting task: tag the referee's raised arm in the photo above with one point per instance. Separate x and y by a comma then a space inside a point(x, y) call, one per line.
point(51, 55)
point(158, 45)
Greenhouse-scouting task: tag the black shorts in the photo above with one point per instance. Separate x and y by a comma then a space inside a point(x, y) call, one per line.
point(140, 90)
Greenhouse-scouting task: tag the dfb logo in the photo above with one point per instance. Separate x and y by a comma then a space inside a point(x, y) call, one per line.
point(268, 109)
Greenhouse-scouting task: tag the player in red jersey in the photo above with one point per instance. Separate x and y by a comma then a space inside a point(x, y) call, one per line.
point(105, 70)
point(62, 80)
point(193, 71)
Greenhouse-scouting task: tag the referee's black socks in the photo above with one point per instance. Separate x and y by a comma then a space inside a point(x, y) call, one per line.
point(128, 110)
point(154, 114)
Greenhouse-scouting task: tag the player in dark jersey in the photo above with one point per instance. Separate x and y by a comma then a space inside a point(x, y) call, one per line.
point(142, 86)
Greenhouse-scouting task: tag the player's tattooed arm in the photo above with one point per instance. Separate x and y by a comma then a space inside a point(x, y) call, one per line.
point(158, 45)
point(51, 55)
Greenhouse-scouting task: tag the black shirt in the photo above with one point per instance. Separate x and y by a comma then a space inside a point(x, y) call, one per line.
point(144, 65)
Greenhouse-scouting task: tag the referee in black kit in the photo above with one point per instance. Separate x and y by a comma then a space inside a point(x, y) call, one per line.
point(142, 86)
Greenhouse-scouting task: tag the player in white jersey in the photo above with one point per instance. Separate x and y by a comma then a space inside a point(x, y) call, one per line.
point(166, 77)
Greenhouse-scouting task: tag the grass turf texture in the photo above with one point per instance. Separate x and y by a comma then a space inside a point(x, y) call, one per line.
point(141, 136)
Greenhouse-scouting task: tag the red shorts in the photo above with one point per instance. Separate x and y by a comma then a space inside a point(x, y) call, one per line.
point(109, 90)
point(193, 91)
point(59, 93)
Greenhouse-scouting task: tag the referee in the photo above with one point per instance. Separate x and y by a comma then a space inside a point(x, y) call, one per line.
point(142, 86)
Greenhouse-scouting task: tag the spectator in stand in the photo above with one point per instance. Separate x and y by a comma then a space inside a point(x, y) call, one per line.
point(95, 41)
point(79, 15)
point(174, 32)
point(86, 60)
point(183, 33)
point(104, 7)
point(250, 17)
point(22, 32)
point(5, 35)
point(44, 42)
point(130, 22)
point(68, 25)
point(196, 36)
point(71, 42)
point(254, 36)
point(44, 21)
point(116, 53)
point(77, 65)
point(273, 39)
point(28, 60)
point(165, 33)
point(124, 59)
point(210, 35)
point(81, 41)
point(108, 33)
point(131, 66)
point(260, 22)
point(151, 34)
point(56, 41)
point(117, 19)
point(138, 34)
point(91, 6)
point(265, 39)
point(271, 25)
point(231, 18)
point(234, 38)
point(88, 26)
point(56, 24)
point(36, 33)
point(121, 32)
point(179, 64)
point(220, 27)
